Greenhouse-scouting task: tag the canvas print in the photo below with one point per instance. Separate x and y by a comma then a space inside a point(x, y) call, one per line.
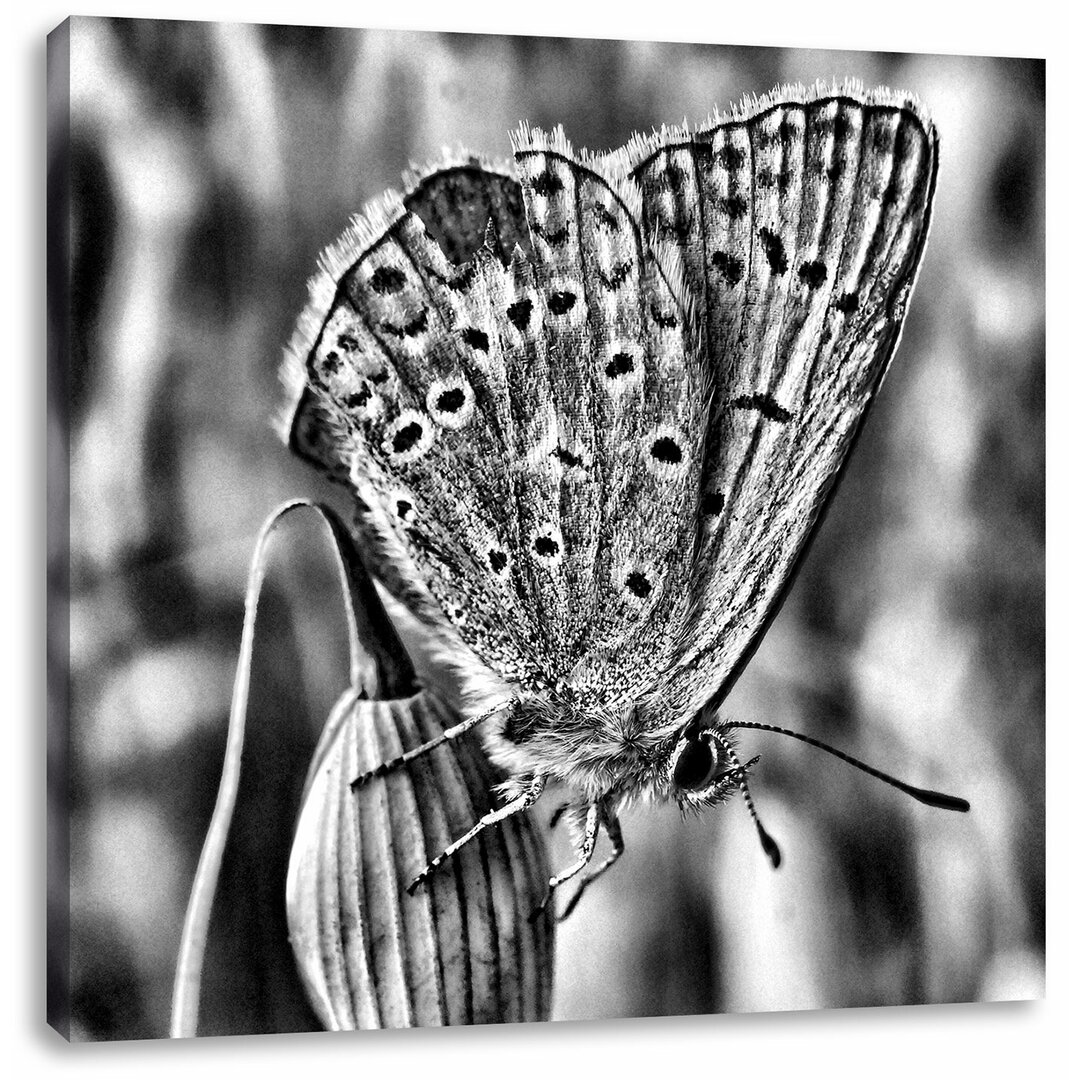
point(542, 529)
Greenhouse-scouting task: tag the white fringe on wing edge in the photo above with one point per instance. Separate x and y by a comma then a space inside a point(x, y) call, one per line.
point(527, 139)
point(363, 230)
point(460, 158)
point(623, 161)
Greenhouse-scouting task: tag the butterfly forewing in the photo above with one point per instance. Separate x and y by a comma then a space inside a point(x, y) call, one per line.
point(815, 213)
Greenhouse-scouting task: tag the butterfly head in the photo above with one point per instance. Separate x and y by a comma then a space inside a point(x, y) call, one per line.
point(701, 769)
point(606, 748)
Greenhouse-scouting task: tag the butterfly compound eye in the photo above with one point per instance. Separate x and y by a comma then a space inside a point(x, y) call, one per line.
point(695, 765)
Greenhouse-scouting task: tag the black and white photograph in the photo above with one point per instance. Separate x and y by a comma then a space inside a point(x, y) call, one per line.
point(540, 528)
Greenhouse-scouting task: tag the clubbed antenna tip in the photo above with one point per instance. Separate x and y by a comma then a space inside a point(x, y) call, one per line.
point(738, 773)
point(769, 845)
point(930, 798)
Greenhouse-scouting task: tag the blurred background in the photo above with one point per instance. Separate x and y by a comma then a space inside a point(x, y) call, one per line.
point(209, 164)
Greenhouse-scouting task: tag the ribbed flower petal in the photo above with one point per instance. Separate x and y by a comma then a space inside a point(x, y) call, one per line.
point(462, 950)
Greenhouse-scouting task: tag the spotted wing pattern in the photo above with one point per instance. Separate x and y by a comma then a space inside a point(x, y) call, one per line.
point(524, 437)
point(801, 222)
point(680, 342)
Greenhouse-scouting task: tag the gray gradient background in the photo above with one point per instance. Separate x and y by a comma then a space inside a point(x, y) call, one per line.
point(210, 164)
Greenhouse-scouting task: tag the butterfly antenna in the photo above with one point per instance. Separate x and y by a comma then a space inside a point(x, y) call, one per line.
point(923, 795)
point(448, 735)
point(770, 846)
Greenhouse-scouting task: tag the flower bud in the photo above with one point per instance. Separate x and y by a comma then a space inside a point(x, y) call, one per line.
point(463, 949)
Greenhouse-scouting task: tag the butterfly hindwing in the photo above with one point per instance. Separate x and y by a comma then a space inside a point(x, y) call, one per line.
point(406, 374)
point(524, 440)
point(458, 199)
point(623, 385)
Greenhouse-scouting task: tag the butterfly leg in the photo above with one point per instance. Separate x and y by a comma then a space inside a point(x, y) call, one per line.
point(516, 805)
point(590, 828)
point(614, 832)
point(585, 850)
point(448, 735)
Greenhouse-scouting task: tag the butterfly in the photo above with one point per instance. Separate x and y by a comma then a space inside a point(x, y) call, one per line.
point(591, 408)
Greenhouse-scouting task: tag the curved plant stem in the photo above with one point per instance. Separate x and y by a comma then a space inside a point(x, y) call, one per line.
point(189, 966)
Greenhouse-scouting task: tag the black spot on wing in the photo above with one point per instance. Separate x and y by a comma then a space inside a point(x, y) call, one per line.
point(678, 228)
point(416, 325)
point(546, 546)
point(388, 279)
point(848, 303)
point(358, 399)
point(519, 314)
point(559, 303)
point(730, 266)
point(620, 364)
point(565, 457)
point(671, 178)
point(547, 184)
point(475, 339)
point(712, 503)
point(407, 437)
point(732, 157)
point(765, 404)
point(733, 205)
point(449, 401)
point(464, 280)
point(813, 274)
point(604, 217)
point(789, 131)
point(774, 251)
point(842, 126)
point(667, 450)
point(882, 138)
point(555, 237)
